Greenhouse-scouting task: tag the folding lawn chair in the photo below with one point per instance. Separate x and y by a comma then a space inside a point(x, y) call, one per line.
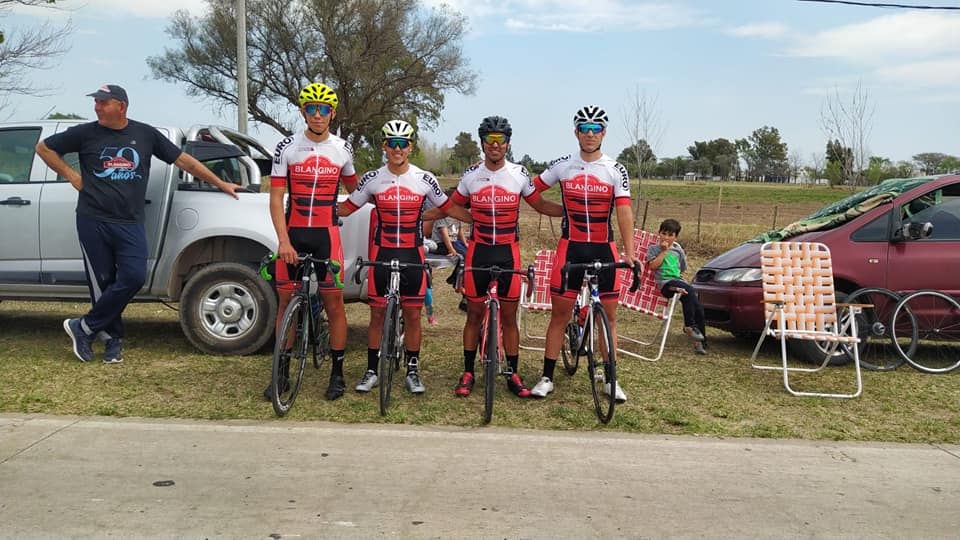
point(647, 299)
point(543, 267)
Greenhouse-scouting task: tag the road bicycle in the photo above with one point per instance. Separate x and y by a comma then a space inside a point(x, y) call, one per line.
point(588, 333)
point(304, 326)
point(491, 328)
point(391, 340)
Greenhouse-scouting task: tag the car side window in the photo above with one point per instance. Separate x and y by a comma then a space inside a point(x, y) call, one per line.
point(73, 160)
point(16, 154)
point(875, 231)
point(941, 208)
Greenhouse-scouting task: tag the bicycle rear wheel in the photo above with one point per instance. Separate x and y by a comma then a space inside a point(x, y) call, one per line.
point(389, 352)
point(289, 357)
point(937, 317)
point(601, 364)
point(491, 359)
point(568, 351)
point(320, 338)
point(878, 352)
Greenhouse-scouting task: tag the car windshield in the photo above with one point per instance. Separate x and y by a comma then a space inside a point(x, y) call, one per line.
point(845, 209)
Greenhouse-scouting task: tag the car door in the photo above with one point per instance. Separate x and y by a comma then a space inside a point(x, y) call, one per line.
point(932, 262)
point(20, 205)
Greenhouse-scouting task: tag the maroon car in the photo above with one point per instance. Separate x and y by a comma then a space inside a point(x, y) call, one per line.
point(869, 249)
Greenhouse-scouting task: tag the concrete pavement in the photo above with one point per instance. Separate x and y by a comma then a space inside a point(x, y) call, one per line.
point(103, 477)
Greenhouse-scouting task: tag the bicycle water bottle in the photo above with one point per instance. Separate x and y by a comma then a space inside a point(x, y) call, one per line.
point(314, 299)
point(582, 315)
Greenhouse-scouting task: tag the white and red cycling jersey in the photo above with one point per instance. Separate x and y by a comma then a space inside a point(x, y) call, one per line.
point(494, 198)
point(589, 191)
point(399, 202)
point(311, 172)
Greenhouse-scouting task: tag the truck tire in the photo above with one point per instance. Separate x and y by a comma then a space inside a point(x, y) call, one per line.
point(226, 308)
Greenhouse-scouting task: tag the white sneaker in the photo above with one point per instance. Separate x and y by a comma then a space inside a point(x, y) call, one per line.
point(367, 382)
point(619, 395)
point(544, 387)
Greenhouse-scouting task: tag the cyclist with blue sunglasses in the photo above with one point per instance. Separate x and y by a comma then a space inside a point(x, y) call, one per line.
point(310, 166)
point(592, 187)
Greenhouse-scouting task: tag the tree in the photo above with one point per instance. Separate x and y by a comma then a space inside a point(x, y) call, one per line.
point(720, 153)
point(642, 120)
point(849, 123)
point(67, 116)
point(628, 157)
point(386, 59)
point(931, 162)
point(765, 153)
point(26, 49)
point(465, 153)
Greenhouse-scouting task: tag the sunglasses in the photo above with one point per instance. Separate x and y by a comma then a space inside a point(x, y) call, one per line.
point(496, 138)
point(396, 142)
point(313, 108)
point(590, 128)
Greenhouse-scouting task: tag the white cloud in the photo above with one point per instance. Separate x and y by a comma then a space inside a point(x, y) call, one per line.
point(768, 30)
point(885, 39)
point(160, 9)
point(942, 72)
point(575, 15)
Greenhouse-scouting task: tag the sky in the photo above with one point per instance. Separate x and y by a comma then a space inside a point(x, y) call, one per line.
point(706, 68)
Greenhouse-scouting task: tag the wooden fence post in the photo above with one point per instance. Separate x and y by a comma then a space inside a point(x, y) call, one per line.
point(775, 208)
point(699, 219)
point(643, 223)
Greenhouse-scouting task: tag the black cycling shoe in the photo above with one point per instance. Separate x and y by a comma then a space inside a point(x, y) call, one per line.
point(336, 388)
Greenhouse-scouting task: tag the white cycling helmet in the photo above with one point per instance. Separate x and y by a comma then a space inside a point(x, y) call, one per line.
point(397, 129)
point(591, 114)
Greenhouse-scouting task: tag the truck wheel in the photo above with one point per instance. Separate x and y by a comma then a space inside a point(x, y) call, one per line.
point(226, 308)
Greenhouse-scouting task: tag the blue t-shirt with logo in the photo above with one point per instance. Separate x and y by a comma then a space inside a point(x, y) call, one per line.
point(114, 165)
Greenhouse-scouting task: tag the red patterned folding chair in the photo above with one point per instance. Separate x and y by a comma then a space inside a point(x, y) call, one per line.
point(799, 302)
point(647, 300)
point(540, 301)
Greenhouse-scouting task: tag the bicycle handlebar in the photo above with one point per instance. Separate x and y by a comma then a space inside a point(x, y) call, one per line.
point(394, 265)
point(597, 266)
point(333, 265)
point(495, 271)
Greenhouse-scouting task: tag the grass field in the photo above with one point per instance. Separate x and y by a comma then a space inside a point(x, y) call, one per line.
point(717, 395)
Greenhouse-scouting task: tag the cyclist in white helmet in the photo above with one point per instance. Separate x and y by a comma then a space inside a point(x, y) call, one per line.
point(592, 186)
point(310, 166)
point(399, 191)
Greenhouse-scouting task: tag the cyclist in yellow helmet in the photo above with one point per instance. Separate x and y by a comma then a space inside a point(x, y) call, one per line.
point(310, 166)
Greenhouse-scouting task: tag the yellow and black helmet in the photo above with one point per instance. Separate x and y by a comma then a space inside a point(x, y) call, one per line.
point(318, 93)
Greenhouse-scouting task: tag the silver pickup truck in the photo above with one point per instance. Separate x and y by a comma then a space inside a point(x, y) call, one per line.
point(204, 247)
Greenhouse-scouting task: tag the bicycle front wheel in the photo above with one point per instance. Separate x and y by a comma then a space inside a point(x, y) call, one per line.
point(289, 356)
point(389, 352)
point(601, 363)
point(937, 317)
point(877, 349)
point(491, 359)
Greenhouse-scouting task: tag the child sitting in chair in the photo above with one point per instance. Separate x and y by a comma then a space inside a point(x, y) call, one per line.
point(668, 262)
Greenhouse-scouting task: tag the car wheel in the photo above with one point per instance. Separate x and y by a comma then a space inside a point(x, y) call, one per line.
point(813, 352)
point(226, 308)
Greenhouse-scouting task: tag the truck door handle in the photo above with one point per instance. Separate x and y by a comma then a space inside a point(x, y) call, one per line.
point(15, 201)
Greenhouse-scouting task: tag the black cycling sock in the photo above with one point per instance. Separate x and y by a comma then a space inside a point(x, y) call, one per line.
point(373, 358)
point(512, 361)
point(548, 367)
point(413, 360)
point(469, 360)
point(336, 358)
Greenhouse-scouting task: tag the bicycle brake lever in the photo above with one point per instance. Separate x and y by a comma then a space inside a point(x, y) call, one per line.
point(356, 274)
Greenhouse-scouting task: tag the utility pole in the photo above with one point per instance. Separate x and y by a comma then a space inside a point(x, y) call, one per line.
point(242, 66)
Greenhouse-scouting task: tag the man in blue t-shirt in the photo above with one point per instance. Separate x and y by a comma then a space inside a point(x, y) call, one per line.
point(115, 155)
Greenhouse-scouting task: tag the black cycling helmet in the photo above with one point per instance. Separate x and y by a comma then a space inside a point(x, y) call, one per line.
point(495, 124)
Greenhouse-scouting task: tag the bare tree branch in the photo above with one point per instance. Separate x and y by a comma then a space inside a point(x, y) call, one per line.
point(850, 123)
